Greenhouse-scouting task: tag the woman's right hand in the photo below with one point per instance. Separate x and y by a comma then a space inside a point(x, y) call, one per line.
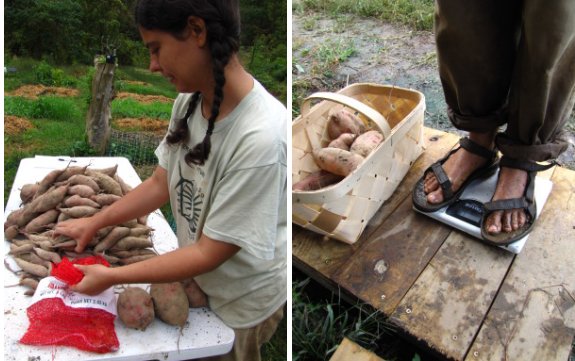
point(80, 229)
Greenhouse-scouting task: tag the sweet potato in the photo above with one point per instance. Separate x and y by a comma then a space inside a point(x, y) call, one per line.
point(135, 308)
point(28, 191)
point(49, 200)
point(344, 141)
point(317, 180)
point(11, 232)
point(84, 180)
point(130, 242)
point(34, 269)
point(47, 182)
point(337, 161)
point(105, 182)
point(170, 303)
point(196, 297)
point(343, 121)
point(111, 239)
point(104, 199)
point(80, 211)
point(366, 143)
point(76, 200)
point(81, 190)
point(71, 171)
point(41, 222)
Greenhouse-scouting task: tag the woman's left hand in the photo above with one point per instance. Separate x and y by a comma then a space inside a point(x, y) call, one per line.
point(97, 278)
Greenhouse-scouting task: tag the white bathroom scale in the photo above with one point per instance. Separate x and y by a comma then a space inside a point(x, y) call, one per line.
point(465, 214)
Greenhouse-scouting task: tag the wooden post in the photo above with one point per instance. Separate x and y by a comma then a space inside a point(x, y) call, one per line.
point(99, 114)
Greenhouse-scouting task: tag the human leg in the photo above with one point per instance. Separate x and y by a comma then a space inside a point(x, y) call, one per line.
point(476, 44)
point(248, 341)
point(541, 100)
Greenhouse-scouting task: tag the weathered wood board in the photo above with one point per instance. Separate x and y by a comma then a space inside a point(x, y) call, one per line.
point(384, 269)
point(447, 304)
point(533, 316)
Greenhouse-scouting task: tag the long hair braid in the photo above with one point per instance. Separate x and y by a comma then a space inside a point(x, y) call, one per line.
point(181, 133)
point(221, 50)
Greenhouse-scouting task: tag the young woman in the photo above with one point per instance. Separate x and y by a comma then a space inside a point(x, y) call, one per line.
point(222, 166)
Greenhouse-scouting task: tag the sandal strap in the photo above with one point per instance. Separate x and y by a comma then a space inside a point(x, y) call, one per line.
point(443, 179)
point(525, 165)
point(506, 204)
point(477, 149)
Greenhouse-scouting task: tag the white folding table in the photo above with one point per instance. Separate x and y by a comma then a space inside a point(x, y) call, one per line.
point(203, 335)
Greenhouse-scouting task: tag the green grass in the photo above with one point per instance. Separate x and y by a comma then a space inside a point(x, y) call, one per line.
point(319, 324)
point(47, 107)
point(130, 108)
point(417, 14)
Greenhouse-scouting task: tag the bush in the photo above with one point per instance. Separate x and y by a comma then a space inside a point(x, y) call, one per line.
point(49, 76)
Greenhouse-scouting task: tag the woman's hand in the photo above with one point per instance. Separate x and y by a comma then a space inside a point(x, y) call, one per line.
point(97, 278)
point(80, 229)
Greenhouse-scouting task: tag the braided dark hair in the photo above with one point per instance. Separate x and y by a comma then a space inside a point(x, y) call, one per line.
point(222, 20)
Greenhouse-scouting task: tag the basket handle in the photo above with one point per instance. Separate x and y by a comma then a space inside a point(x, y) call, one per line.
point(355, 104)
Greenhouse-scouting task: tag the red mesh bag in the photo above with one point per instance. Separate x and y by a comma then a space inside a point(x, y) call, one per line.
point(62, 317)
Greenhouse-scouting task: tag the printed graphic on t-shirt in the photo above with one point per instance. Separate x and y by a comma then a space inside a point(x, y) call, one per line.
point(190, 200)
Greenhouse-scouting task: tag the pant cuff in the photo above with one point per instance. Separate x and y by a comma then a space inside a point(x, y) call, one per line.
point(479, 124)
point(535, 153)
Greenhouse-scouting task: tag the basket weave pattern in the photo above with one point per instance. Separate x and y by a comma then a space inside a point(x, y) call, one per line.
point(342, 210)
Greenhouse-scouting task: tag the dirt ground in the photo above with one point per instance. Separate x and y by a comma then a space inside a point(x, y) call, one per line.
point(384, 53)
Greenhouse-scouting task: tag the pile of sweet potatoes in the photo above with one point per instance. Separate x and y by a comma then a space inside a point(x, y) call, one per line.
point(349, 143)
point(71, 192)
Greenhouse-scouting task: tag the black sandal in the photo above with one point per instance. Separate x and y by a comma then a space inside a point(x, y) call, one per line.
point(420, 197)
point(526, 202)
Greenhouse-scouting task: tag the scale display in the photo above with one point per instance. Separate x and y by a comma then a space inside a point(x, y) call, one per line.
point(465, 214)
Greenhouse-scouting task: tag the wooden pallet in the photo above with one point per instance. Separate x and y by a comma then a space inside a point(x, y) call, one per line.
point(459, 298)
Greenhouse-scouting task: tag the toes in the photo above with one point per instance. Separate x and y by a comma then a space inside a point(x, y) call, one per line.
point(515, 219)
point(431, 184)
point(494, 222)
point(506, 221)
point(521, 219)
point(436, 196)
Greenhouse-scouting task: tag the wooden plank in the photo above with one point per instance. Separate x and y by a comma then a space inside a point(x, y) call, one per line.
point(533, 316)
point(448, 303)
point(349, 350)
point(321, 258)
point(317, 256)
point(383, 270)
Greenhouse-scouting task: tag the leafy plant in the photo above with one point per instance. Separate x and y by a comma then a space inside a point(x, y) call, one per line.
point(318, 327)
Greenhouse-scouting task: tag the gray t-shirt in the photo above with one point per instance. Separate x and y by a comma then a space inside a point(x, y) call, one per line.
point(238, 196)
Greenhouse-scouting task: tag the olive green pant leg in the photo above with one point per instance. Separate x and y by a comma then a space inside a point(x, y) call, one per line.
point(542, 92)
point(248, 341)
point(476, 49)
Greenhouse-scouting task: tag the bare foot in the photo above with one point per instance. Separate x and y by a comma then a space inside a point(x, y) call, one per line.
point(511, 184)
point(458, 168)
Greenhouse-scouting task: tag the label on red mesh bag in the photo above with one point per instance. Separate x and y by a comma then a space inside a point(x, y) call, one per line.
point(51, 287)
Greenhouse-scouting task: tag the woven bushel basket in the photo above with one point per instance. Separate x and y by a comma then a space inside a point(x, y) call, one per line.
point(342, 210)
